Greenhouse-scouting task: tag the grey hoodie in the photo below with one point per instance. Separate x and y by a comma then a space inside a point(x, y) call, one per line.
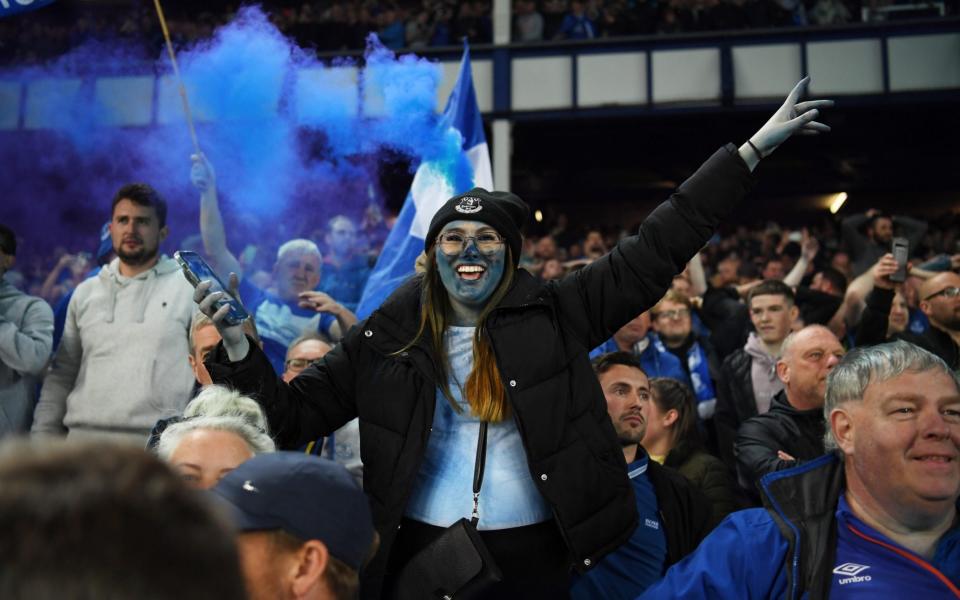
point(763, 373)
point(26, 339)
point(122, 363)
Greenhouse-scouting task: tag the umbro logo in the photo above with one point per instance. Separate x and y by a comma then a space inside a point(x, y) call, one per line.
point(248, 485)
point(468, 205)
point(851, 573)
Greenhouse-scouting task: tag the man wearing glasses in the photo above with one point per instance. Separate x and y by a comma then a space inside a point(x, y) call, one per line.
point(675, 342)
point(940, 301)
point(343, 445)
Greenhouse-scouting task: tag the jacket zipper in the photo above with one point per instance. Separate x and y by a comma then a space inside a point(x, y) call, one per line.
point(914, 559)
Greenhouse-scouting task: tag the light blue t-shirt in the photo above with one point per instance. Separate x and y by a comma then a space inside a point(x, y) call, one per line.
point(443, 491)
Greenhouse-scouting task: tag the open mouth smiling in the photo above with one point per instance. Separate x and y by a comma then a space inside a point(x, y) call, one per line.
point(470, 272)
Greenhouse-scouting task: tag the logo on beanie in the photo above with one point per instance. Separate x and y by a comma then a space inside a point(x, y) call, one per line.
point(468, 205)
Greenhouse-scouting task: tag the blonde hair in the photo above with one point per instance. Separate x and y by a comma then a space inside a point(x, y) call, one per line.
point(221, 401)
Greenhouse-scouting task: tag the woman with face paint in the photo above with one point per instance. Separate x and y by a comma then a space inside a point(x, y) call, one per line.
point(476, 339)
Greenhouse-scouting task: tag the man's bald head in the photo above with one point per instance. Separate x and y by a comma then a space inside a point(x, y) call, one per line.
point(940, 302)
point(938, 282)
point(808, 357)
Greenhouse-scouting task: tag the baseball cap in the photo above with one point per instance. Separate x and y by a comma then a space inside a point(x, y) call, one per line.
point(306, 496)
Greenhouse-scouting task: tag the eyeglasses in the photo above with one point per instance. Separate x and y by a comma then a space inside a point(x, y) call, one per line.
point(947, 292)
point(453, 242)
point(298, 364)
point(680, 313)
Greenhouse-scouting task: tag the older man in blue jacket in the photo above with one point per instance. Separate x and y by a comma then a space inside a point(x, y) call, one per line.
point(876, 518)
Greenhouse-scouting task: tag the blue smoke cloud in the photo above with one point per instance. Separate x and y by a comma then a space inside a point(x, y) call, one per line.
point(294, 141)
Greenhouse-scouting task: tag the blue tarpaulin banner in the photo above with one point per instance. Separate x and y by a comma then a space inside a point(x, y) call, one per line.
point(12, 7)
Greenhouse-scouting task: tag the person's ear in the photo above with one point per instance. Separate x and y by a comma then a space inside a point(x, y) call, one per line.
point(925, 307)
point(164, 232)
point(794, 312)
point(670, 417)
point(783, 372)
point(312, 561)
point(841, 424)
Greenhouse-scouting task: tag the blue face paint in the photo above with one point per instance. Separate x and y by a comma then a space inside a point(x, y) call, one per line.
point(470, 276)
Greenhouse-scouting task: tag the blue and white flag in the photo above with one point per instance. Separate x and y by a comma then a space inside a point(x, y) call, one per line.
point(12, 7)
point(432, 185)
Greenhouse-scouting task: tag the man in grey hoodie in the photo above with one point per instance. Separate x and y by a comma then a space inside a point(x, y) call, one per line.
point(748, 377)
point(26, 339)
point(120, 366)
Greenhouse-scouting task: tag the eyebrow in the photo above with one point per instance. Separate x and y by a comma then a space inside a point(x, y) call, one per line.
point(914, 398)
point(484, 228)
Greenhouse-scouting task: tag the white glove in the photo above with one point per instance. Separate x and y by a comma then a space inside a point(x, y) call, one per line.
point(792, 117)
point(234, 340)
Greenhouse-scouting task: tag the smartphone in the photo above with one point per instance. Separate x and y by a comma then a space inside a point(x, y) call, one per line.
point(195, 269)
point(901, 251)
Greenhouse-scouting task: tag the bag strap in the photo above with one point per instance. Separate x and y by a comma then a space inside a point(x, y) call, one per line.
point(478, 472)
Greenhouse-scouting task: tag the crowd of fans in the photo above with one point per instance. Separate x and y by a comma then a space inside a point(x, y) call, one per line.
point(772, 348)
point(732, 361)
point(341, 25)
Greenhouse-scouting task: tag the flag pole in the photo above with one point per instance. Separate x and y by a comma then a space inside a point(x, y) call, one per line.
point(176, 72)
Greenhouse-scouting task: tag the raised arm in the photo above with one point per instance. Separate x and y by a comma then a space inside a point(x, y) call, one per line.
point(912, 229)
point(316, 403)
point(212, 231)
point(810, 247)
point(48, 291)
point(600, 298)
point(852, 236)
point(698, 279)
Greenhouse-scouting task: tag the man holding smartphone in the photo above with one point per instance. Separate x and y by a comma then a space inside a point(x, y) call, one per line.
point(120, 367)
point(868, 236)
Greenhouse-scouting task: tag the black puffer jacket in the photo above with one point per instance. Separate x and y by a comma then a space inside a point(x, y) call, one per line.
point(541, 334)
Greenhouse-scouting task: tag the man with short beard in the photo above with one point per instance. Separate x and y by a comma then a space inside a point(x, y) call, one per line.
point(120, 366)
point(940, 301)
point(868, 236)
point(674, 516)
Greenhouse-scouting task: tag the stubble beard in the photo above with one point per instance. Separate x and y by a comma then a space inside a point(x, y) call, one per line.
point(136, 259)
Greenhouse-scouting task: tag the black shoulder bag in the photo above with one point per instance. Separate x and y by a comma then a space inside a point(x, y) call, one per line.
point(457, 564)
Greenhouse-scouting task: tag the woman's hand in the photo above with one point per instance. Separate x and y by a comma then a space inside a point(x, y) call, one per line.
point(234, 340)
point(793, 117)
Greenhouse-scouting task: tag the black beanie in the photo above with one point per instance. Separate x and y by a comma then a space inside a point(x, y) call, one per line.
point(503, 211)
